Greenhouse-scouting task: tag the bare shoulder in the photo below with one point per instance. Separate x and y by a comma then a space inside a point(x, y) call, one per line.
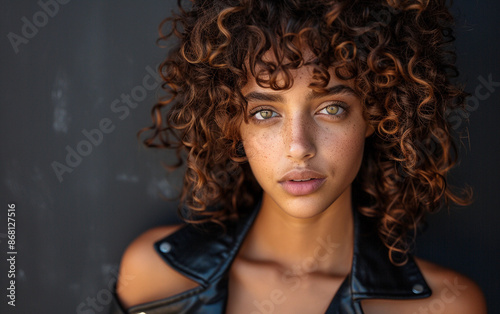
point(452, 293)
point(144, 275)
point(457, 292)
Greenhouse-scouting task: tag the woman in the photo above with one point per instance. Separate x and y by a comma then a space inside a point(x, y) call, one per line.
point(316, 140)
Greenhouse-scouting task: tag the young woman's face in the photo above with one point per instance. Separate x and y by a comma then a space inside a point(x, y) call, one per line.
point(297, 134)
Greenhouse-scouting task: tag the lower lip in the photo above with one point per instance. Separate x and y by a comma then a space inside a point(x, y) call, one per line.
point(299, 188)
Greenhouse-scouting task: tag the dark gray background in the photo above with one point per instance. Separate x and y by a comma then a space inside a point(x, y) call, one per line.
point(71, 234)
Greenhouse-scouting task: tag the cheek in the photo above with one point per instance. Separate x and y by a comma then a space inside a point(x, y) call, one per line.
point(261, 151)
point(355, 149)
point(254, 143)
point(345, 148)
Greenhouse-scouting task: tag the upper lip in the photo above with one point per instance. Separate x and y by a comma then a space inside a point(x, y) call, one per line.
point(301, 174)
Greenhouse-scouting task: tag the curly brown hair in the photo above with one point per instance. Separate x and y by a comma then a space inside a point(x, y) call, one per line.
point(398, 54)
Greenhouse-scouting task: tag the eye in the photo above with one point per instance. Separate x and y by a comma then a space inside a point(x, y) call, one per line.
point(264, 114)
point(333, 110)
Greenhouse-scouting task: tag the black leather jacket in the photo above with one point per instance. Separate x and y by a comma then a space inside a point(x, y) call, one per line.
point(207, 260)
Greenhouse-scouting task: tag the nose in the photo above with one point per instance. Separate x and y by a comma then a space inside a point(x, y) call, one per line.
point(299, 137)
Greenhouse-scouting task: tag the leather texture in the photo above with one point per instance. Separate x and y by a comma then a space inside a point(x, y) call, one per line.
point(206, 258)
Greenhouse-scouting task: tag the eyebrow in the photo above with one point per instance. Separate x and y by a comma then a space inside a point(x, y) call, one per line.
point(334, 90)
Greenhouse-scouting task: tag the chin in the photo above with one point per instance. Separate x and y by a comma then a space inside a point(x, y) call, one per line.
point(301, 213)
point(304, 207)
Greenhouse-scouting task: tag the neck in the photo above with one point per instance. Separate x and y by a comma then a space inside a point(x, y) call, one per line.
point(323, 243)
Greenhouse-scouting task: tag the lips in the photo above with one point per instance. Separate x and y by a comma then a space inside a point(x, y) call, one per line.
point(299, 188)
point(301, 175)
point(300, 182)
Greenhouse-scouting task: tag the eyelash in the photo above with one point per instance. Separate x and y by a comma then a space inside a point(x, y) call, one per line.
point(341, 105)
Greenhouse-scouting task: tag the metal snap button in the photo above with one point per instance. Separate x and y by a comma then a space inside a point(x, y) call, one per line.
point(165, 247)
point(418, 288)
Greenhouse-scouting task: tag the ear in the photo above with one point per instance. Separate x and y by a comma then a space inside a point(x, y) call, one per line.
point(369, 129)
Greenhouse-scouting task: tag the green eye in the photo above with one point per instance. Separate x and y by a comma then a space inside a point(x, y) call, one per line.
point(266, 114)
point(333, 110)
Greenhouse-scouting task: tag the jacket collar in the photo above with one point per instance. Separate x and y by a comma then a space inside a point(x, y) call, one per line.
point(373, 275)
point(205, 258)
